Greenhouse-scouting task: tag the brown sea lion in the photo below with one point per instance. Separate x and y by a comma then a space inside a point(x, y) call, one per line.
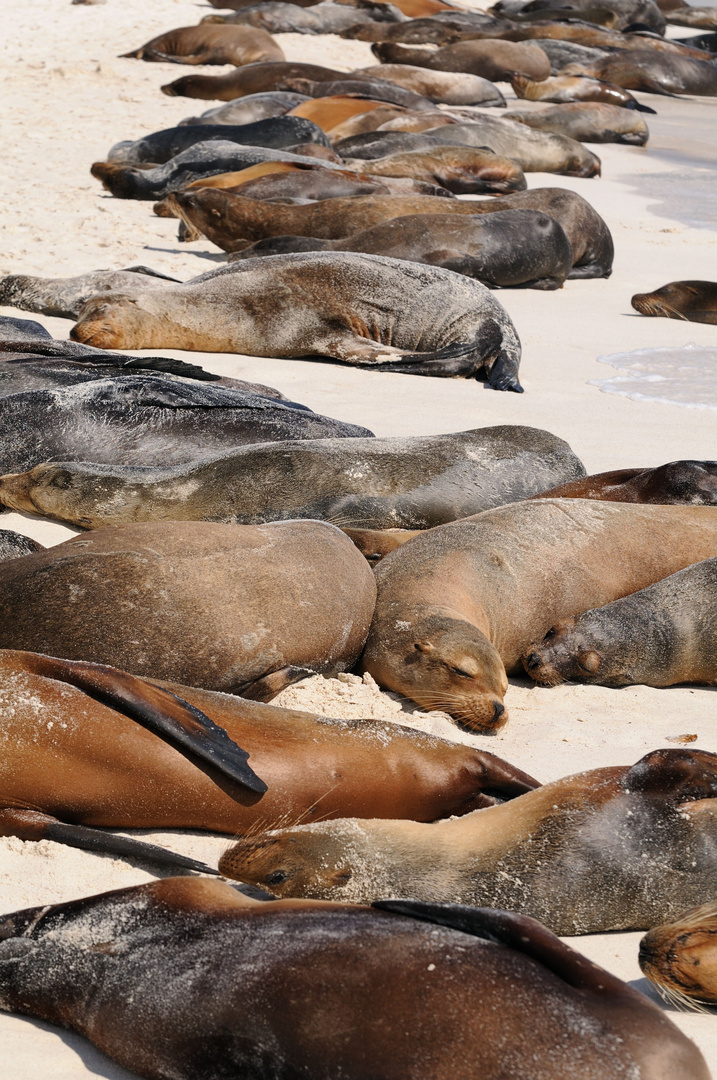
point(357, 309)
point(207, 44)
point(587, 122)
point(423, 121)
point(494, 60)
point(653, 73)
point(459, 605)
point(353, 85)
point(563, 89)
point(233, 223)
point(366, 121)
point(701, 18)
point(190, 978)
point(660, 636)
point(611, 849)
point(78, 737)
point(448, 88)
point(692, 301)
point(329, 112)
point(461, 169)
point(285, 182)
point(251, 79)
point(680, 957)
point(627, 11)
point(199, 603)
point(688, 483)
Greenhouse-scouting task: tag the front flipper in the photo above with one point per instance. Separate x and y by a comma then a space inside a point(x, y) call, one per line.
point(503, 375)
point(268, 686)
point(158, 710)
point(33, 825)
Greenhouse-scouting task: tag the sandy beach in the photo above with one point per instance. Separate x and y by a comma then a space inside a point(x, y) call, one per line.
point(68, 98)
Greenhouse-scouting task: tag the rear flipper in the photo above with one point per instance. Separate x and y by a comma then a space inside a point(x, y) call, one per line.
point(33, 825)
point(268, 686)
point(458, 360)
point(589, 270)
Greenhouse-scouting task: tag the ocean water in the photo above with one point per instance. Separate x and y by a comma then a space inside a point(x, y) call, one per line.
point(684, 376)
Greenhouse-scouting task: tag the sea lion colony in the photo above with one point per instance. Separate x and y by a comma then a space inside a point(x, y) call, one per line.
point(229, 557)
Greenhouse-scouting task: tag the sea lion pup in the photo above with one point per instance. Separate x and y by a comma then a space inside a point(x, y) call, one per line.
point(358, 309)
point(214, 606)
point(248, 110)
point(509, 248)
point(653, 73)
point(680, 957)
point(610, 849)
point(495, 60)
point(327, 990)
point(375, 89)
point(446, 88)
point(233, 223)
point(76, 770)
point(409, 483)
point(688, 483)
point(252, 79)
point(587, 122)
point(660, 636)
point(692, 301)
point(534, 151)
point(206, 44)
point(14, 545)
point(563, 89)
point(459, 605)
point(461, 169)
point(276, 133)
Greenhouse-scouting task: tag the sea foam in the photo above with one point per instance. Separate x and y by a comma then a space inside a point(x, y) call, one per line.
point(684, 376)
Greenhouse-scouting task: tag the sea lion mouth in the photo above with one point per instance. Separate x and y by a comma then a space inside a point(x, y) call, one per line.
point(647, 304)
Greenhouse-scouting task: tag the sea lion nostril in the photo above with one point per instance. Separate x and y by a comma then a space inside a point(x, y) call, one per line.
point(532, 661)
point(498, 710)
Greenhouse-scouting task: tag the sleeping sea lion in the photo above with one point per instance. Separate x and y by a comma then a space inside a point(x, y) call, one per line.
point(587, 122)
point(627, 11)
point(323, 18)
point(375, 89)
point(248, 110)
point(404, 482)
point(209, 605)
point(464, 170)
point(63, 297)
point(252, 79)
point(295, 184)
point(233, 223)
point(660, 636)
point(508, 248)
point(358, 309)
point(680, 957)
point(14, 545)
point(458, 606)
point(563, 89)
point(71, 768)
point(329, 111)
point(448, 88)
point(692, 301)
point(206, 44)
point(690, 483)
point(611, 849)
point(653, 73)
point(190, 978)
point(701, 18)
point(494, 60)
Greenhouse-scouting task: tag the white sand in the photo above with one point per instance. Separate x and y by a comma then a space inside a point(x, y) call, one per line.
point(67, 99)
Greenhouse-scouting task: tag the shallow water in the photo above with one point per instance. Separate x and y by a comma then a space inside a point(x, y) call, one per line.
point(684, 376)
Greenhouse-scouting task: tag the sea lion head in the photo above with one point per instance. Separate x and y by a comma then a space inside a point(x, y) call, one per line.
point(64, 492)
point(680, 957)
point(111, 321)
point(441, 663)
point(566, 653)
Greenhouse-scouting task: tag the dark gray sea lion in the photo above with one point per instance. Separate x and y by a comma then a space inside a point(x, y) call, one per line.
point(627, 11)
point(563, 89)
point(412, 483)
point(441, 29)
point(200, 160)
point(223, 607)
point(276, 132)
point(252, 79)
point(239, 222)
point(14, 545)
point(328, 990)
point(587, 122)
point(708, 42)
point(680, 957)
point(373, 89)
point(449, 88)
point(692, 301)
point(458, 606)
point(653, 73)
point(508, 248)
point(560, 53)
point(687, 483)
point(211, 45)
point(359, 309)
point(660, 636)
point(495, 60)
point(324, 18)
point(611, 849)
point(534, 151)
point(249, 110)
point(63, 297)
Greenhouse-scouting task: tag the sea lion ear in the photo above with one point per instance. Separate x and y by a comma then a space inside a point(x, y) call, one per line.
point(424, 646)
point(589, 661)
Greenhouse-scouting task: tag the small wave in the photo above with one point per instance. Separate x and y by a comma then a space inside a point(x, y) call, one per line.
point(684, 376)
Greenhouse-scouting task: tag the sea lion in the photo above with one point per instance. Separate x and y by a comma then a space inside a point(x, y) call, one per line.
point(202, 44)
point(573, 88)
point(328, 990)
point(299, 185)
point(689, 483)
point(448, 88)
point(248, 110)
point(374, 89)
point(627, 11)
point(423, 121)
point(660, 636)
point(653, 73)
point(680, 957)
point(441, 29)
point(406, 482)
point(63, 297)
point(323, 18)
point(72, 768)
point(494, 60)
point(508, 248)
point(252, 79)
point(463, 170)
point(202, 159)
point(611, 849)
point(14, 545)
point(587, 122)
point(534, 151)
point(367, 121)
point(233, 223)
point(358, 309)
point(328, 112)
point(210, 605)
point(277, 133)
point(692, 301)
point(701, 18)
point(458, 606)
point(561, 53)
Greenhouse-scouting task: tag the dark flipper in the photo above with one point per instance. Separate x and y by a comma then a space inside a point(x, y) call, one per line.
point(453, 361)
point(165, 714)
point(504, 374)
point(268, 686)
point(32, 825)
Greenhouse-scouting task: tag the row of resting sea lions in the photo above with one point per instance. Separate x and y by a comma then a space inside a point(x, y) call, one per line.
point(234, 542)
